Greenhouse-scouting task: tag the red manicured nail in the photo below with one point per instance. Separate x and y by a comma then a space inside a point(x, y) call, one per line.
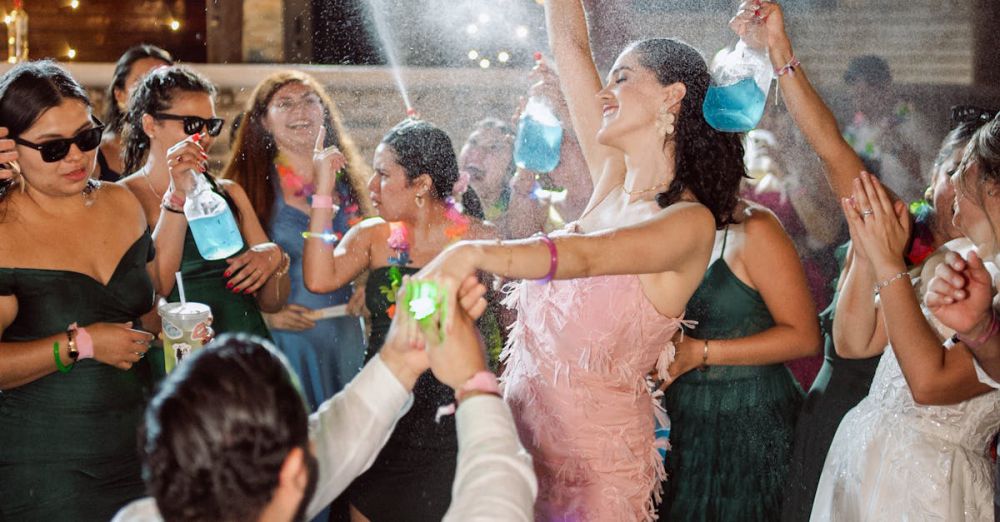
point(229, 286)
point(538, 55)
point(247, 291)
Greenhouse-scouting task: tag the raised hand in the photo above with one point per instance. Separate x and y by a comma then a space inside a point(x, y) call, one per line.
point(327, 161)
point(186, 156)
point(878, 226)
point(8, 155)
point(292, 318)
point(961, 294)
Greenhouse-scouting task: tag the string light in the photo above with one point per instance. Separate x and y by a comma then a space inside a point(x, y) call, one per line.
point(503, 56)
point(484, 63)
point(71, 53)
point(74, 4)
point(472, 29)
point(473, 54)
point(174, 25)
point(521, 31)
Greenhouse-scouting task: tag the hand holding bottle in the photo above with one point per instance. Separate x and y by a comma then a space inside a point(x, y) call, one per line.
point(183, 158)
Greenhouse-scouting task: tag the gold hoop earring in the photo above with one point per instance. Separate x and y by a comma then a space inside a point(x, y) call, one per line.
point(665, 121)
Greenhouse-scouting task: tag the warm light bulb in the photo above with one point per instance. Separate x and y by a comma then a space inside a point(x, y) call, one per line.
point(484, 63)
point(74, 4)
point(521, 31)
point(503, 56)
point(473, 54)
point(174, 25)
point(71, 53)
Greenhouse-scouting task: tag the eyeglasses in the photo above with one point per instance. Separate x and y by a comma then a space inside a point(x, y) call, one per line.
point(287, 104)
point(55, 150)
point(194, 124)
point(971, 114)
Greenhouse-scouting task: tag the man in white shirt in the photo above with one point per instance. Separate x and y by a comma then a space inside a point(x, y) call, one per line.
point(227, 437)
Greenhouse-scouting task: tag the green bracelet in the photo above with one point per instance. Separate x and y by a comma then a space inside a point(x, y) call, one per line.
point(59, 364)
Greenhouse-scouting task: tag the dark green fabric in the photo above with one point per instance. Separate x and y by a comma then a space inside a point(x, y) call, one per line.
point(731, 426)
point(839, 386)
point(205, 283)
point(68, 441)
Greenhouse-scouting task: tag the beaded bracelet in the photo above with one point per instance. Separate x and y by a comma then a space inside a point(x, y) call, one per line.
point(788, 68)
point(877, 287)
point(59, 364)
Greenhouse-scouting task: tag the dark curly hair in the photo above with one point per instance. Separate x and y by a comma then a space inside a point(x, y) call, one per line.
point(421, 148)
point(155, 93)
point(114, 118)
point(219, 429)
point(708, 162)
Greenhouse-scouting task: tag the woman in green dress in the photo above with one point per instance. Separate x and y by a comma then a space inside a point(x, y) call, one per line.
point(171, 124)
point(732, 422)
point(75, 276)
point(415, 172)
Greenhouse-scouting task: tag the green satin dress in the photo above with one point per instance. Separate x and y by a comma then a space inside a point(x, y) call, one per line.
point(731, 426)
point(205, 283)
point(68, 449)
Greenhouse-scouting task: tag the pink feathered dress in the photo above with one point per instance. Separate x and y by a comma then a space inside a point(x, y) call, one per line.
point(576, 365)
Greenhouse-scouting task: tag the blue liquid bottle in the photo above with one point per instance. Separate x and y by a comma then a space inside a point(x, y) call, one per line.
point(212, 223)
point(539, 137)
point(737, 95)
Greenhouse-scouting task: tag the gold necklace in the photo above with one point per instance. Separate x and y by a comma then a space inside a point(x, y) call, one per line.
point(145, 174)
point(650, 189)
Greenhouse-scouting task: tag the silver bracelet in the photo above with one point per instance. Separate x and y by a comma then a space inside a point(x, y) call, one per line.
point(882, 284)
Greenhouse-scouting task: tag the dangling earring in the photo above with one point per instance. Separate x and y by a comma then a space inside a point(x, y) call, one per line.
point(665, 121)
point(420, 201)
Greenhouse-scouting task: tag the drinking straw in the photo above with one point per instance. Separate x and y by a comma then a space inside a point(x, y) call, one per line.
point(180, 287)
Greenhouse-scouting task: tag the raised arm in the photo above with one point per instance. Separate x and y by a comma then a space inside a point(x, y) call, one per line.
point(566, 23)
point(808, 110)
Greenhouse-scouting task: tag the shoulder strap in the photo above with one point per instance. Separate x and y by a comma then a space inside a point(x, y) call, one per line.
point(725, 237)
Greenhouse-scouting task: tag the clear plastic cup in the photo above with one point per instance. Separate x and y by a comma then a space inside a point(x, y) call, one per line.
point(186, 328)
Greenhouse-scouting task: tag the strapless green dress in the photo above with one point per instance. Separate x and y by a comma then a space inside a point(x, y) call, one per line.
point(731, 426)
point(204, 283)
point(68, 449)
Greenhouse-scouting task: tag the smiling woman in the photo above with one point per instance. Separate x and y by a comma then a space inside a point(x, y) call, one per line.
point(70, 360)
point(272, 159)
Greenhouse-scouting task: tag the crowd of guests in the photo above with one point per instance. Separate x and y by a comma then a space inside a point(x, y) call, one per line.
point(646, 282)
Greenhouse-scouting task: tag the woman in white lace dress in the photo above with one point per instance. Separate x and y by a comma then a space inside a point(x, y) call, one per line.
point(917, 447)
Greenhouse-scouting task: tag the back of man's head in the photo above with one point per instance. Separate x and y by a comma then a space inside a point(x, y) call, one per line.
point(218, 431)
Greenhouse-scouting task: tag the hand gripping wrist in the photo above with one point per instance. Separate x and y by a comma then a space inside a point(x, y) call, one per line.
point(482, 382)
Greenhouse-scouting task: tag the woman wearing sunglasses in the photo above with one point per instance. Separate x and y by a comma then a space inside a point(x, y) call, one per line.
point(171, 124)
point(76, 268)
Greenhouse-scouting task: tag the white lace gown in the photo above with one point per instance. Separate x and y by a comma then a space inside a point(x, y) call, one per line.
point(895, 460)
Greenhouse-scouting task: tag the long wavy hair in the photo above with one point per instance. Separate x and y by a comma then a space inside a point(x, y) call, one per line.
point(708, 162)
point(253, 151)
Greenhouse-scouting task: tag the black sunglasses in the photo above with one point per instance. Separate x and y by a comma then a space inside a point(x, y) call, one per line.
point(194, 124)
point(971, 114)
point(55, 150)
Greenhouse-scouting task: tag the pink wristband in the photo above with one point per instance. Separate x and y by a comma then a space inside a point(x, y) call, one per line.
point(990, 332)
point(84, 344)
point(553, 260)
point(483, 381)
point(322, 201)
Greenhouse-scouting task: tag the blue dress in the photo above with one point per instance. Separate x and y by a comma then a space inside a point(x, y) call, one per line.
point(328, 356)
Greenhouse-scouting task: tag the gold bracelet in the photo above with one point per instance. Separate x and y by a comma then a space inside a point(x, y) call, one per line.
point(704, 358)
point(286, 264)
